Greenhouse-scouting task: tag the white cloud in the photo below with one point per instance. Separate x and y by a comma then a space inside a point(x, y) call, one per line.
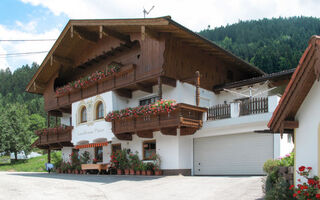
point(193, 14)
point(19, 47)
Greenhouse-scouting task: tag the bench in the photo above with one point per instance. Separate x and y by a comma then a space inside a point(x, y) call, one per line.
point(98, 167)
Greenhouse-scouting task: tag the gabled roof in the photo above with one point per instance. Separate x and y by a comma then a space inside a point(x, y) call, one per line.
point(68, 48)
point(307, 71)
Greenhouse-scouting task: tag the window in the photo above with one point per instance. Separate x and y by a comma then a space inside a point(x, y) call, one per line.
point(149, 149)
point(116, 148)
point(98, 154)
point(148, 100)
point(99, 110)
point(83, 116)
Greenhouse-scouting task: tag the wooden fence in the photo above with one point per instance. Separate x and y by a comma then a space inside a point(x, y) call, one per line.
point(220, 111)
point(254, 106)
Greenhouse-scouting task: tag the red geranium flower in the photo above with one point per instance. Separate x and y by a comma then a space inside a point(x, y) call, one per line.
point(291, 186)
point(294, 195)
point(302, 168)
point(318, 196)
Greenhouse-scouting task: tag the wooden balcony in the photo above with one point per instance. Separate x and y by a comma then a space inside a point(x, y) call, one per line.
point(129, 78)
point(54, 138)
point(186, 117)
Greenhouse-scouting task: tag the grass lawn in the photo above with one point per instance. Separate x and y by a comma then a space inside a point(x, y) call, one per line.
point(31, 165)
point(4, 160)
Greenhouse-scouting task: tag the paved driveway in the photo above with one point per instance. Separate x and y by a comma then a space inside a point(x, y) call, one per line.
point(42, 186)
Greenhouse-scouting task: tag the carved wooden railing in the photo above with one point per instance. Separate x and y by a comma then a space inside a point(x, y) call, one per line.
point(183, 116)
point(54, 135)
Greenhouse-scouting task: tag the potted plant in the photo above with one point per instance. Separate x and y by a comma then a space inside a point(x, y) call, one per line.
point(69, 167)
point(150, 167)
point(134, 162)
point(157, 164)
point(94, 161)
point(144, 168)
point(122, 160)
point(63, 167)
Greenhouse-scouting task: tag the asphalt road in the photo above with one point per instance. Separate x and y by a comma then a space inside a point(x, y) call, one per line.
point(43, 186)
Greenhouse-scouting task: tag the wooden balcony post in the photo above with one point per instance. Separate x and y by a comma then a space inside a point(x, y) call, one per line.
point(160, 87)
point(49, 155)
point(48, 119)
point(197, 88)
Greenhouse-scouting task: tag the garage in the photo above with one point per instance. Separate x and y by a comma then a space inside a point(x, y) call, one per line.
point(238, 154)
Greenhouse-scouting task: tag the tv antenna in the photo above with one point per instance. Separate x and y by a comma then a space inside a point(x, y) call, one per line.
point(145, 12)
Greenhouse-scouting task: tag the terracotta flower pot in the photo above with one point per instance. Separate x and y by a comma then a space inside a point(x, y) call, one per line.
point(158, 172)
point(119, 171)
point(76, 171)
point(138, 172)
point(69, 171)
point(126, 171)
point(131, 171)
point(149, 172)
point(59, 170)
point(143, 172)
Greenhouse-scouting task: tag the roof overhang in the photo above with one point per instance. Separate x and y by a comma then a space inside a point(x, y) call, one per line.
point(307, 72)
point(66, 46)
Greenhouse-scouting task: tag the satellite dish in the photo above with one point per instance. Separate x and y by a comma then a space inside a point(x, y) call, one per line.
point(251, 92)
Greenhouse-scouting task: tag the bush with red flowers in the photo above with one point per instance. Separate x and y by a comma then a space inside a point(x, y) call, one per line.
point(308, 188)
point(88, 80)
point(151, 109)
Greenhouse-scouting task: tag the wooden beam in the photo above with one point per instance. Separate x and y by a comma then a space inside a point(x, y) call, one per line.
point(143, 33)
point(169, 81)
point(160, 87)
point(289, 124)
point(197, 88)
point(124, 136)
point(55, 113)
point(144, 87)
point(124, 93)
point(85, 34)
point(169, 131)
point(62, 60)
point(109, 32)
point(187, 131)
point(145, 134)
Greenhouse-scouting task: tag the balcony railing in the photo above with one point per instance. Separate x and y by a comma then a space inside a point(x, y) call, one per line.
point(183, 116)
point(247, 107)
point(254, 106)
point(220, 111)
point(54, 137)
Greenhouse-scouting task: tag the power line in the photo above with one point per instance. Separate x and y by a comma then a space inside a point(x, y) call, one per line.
point(21, 54)
point(28, 40)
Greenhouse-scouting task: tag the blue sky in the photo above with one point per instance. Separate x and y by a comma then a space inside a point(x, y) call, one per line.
point(44, 19)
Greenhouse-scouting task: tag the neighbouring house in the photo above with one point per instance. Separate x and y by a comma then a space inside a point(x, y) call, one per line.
point(97, 67)
point(298, 110)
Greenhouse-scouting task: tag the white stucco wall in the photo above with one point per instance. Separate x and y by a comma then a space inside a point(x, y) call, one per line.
point(65, 119)
point(93, 130)
point(66, 151)
point(306, 139)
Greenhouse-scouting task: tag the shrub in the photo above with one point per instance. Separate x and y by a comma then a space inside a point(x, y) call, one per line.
point(134, 161)
point(56, 159)
point(279, 191)
point(287, 161)
point(269, 165)
point(309, 189)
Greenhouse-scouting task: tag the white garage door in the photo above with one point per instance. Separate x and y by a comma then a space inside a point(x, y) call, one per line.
point(239, 154)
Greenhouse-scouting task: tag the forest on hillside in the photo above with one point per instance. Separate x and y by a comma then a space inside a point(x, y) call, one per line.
point(270, 44)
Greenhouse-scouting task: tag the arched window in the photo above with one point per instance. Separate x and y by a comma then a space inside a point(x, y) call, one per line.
point(99, 110)
point(83, 116)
